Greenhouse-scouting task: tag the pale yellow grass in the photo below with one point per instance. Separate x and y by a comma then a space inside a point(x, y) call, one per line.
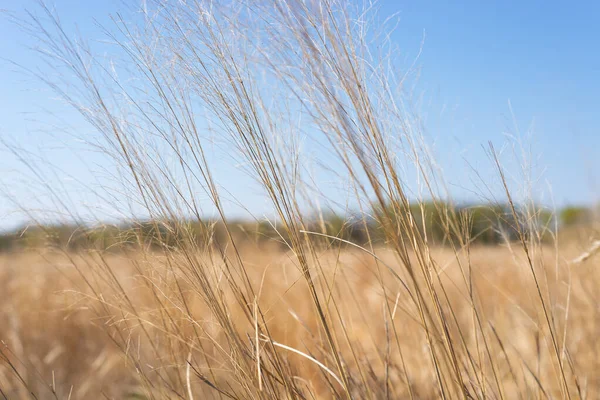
point(59, 340)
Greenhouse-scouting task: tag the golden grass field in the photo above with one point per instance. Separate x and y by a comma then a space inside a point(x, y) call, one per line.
point(302, 97)
point(58, 335)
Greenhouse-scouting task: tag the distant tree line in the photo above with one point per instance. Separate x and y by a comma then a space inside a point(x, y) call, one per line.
point(441, 223)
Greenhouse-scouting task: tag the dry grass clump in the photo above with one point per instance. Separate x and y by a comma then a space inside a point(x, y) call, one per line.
point(197, 315)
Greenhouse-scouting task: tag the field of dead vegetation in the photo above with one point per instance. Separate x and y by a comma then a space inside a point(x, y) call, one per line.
point(148, 330)
point(360, 273)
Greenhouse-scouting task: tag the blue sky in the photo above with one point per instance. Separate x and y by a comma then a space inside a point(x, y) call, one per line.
point(541, 57)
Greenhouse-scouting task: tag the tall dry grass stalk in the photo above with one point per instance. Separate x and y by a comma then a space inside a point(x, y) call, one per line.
point(199, 319)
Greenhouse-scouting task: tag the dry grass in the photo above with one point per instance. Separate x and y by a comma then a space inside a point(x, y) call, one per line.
point(205, 317)
point(57, 342)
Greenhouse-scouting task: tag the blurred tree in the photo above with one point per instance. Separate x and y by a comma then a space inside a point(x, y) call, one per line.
point(574, 215)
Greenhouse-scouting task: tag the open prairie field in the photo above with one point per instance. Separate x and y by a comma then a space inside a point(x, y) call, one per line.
point(240, 199)
point(147, 326)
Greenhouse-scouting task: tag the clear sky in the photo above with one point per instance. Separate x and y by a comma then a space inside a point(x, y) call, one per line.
point(541, 57)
